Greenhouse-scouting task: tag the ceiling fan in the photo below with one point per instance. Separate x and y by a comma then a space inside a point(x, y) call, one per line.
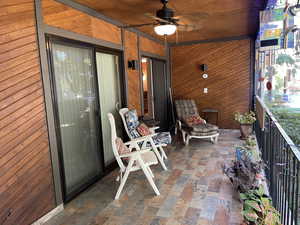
point(166, 23)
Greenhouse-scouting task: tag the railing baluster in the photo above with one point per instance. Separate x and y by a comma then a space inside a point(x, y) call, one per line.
point(282, 159)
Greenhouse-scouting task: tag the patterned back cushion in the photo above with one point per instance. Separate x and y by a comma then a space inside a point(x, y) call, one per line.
point(121, 147)
point(131, 119)
point(143, 129)
point(193, 120)
point(185, 108)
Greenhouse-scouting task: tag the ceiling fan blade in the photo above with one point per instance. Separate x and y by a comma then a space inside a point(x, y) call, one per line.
point(189, 27)
point(193, 16)
point(139, 25)
point(156, 18)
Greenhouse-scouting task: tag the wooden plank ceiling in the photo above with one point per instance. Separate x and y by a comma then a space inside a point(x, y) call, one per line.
point(226, 18)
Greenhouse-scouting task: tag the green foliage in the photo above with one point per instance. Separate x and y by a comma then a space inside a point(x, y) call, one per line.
point(285, 59)
point(246, 118)
point(290, 121)
point(244, 170)
point(258, 209)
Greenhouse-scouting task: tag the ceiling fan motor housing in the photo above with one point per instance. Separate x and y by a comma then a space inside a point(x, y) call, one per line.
point(165, 13)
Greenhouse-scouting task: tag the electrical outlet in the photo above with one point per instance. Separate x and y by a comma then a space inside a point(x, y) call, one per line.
point(205, 90)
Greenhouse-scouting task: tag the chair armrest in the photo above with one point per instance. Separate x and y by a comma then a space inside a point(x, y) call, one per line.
point(136, 153)
point(179, 124)
point(141, 139)
point(153, 129)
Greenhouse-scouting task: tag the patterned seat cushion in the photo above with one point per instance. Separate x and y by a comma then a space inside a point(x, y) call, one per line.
point(162, 138)
point(204, 128)
point(203, 133)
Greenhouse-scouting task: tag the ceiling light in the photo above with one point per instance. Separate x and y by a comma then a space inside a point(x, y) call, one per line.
point(167, 29)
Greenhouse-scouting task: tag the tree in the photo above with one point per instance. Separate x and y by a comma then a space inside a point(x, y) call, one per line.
point(287, 61)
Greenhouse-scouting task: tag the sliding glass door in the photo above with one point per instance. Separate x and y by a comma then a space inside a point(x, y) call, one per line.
point(77, 108)
point(110, 98)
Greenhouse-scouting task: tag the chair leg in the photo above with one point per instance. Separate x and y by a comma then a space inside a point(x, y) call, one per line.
point(183, 136)
point(160, 159)
point(187, 141)
point(216, 139)
point(150, 171)
point(163, 152)
point(148, 175)
point(124, 178)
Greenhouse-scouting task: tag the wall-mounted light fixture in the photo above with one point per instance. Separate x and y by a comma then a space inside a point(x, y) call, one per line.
point(133, 64)
point(204, 67)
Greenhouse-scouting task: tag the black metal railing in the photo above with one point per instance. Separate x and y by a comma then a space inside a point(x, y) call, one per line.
point(282, 159)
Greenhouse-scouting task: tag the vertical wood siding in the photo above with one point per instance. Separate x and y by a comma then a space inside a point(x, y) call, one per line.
point(228, 80)
point(26, 185)
point(153, 47)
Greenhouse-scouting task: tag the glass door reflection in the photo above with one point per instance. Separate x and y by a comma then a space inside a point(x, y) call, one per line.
point(78, 115)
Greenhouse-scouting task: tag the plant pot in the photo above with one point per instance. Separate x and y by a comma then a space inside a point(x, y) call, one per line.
point(246, 130)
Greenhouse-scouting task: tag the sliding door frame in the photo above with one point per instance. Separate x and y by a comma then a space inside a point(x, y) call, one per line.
point(104, 170)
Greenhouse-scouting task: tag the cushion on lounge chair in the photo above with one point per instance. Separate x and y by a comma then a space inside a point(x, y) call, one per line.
point(204, 128)
point(193, 120)
point(185, 108)
point(203, 133)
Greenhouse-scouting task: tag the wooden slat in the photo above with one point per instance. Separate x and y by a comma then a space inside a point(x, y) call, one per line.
point(16, 145)
point(27, 100)
point(26, 185)
point(21, 112)
point(64, 17)
point(153, 47)
point(133, 75)
point(228, 80)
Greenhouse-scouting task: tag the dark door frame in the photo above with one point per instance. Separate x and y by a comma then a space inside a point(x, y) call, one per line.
point(153, 57)
point(68, 42)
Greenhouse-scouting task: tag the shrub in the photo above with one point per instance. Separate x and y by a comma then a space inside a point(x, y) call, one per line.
point(246, 118)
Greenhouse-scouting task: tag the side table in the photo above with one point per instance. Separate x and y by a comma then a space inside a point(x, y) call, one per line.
point(209, 113)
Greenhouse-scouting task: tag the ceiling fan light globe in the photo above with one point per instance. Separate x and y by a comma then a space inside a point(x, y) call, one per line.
point(167, 29)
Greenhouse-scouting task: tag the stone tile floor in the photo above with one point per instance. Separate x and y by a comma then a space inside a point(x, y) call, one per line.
point(194, 191)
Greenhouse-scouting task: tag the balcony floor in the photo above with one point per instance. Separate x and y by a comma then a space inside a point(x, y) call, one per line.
point(194, 191)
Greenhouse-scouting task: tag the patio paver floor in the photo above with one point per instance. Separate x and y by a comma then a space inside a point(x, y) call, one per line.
point(194, 191)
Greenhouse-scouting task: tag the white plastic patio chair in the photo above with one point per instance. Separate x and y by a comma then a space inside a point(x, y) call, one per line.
point(147, 139)
point(139, 159)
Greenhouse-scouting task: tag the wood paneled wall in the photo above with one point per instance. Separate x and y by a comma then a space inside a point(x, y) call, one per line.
point(67, 18)
point(26, 185)
point(26, 180)
point(133, 76)
point(228, 82)
point(59, 15)
point(148, 45)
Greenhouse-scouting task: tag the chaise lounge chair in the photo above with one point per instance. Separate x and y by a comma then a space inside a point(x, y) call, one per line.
point(191, 124)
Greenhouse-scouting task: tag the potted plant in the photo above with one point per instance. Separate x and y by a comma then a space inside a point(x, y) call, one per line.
point(245, 120)
point(258, 209)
